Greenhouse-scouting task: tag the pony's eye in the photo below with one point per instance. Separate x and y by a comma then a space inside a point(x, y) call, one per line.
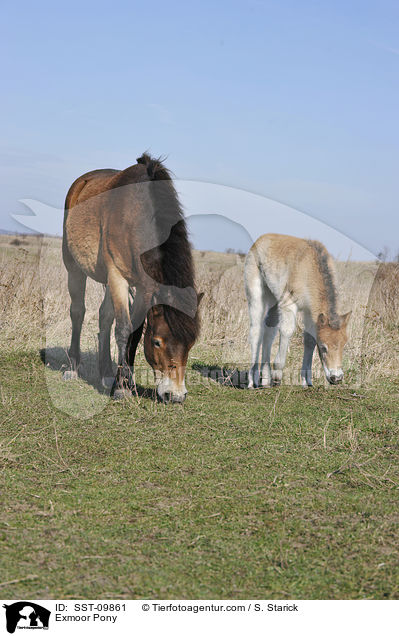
point(156, 343)
point(323, 349)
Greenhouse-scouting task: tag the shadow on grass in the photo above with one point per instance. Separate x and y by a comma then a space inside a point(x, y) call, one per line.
point(56, 359)
point(235, 378)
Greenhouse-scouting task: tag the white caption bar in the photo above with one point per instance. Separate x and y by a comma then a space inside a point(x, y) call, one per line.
point(152, 617)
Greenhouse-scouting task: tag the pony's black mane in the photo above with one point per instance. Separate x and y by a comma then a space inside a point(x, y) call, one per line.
point(170, 263)
point(329, 283)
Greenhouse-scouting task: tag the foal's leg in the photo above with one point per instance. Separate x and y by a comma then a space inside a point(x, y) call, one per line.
point(306, 372)
point(106, 318)
point(77, 288)
point(269, 334)
point(287, 328)
point(257, 311)
point(119, 290)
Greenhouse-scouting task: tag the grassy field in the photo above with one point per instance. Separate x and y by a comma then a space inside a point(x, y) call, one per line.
point(276, 493)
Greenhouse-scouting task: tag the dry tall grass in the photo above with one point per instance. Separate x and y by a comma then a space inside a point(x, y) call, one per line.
point(380, 337)
point(34, 310)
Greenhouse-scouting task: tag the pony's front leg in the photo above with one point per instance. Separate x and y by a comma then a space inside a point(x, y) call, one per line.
point(306, 372)
point(119, 290)
point(287, 328)
point(137, 317)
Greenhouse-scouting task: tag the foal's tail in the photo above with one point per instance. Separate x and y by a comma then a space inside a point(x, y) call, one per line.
point(155, 168)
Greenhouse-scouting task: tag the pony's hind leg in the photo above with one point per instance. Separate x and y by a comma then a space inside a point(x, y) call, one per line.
point(106, 318)
point(287, 328)
point(77, 288)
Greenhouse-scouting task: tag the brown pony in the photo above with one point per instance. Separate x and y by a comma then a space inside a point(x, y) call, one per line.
point(126, 229)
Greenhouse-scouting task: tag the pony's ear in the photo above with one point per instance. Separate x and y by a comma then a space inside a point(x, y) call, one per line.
point(345, 318)
point(322, 320)
point(199, 298)
point(157, 309)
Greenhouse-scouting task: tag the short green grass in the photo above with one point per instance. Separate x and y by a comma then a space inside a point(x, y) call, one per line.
point(277, 493)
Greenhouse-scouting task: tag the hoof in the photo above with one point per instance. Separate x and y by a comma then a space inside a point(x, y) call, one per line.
point(277, 376)
point(107, 382)
point(70, 375)
point(121, 394)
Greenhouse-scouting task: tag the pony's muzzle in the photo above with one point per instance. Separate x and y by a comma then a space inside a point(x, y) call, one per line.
point(170, 391)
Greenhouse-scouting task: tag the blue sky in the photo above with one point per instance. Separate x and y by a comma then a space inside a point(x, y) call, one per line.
point(294, 101)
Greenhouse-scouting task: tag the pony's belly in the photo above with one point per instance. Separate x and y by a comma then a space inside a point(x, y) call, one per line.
point(83, 235)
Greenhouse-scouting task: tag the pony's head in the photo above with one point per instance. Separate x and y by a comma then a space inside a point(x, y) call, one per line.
point(169, 336)
point(331, 339)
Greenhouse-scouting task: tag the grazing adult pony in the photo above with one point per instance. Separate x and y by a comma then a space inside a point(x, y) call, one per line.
point(126, 229)
point(284, 275)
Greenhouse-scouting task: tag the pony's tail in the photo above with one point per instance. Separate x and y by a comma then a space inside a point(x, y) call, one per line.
point(155, 168)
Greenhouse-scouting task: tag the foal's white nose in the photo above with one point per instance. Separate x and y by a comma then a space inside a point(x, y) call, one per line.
point(174, 397)
point(335, 376)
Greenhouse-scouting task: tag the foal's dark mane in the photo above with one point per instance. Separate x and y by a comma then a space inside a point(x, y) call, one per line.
point(170, 263)
point(328, 281)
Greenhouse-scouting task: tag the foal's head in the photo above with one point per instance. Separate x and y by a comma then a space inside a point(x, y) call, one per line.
point(169, 336)
point(331, 339)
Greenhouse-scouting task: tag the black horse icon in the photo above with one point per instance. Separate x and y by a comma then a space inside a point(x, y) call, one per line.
point(26, 610)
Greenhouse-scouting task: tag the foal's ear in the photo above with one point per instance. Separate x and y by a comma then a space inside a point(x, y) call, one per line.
point(345, 318)
point(322, 320)
point(199, 298)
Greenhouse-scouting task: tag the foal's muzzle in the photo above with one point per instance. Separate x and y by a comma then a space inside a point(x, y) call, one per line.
point(175, 398)
point(335, 379)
